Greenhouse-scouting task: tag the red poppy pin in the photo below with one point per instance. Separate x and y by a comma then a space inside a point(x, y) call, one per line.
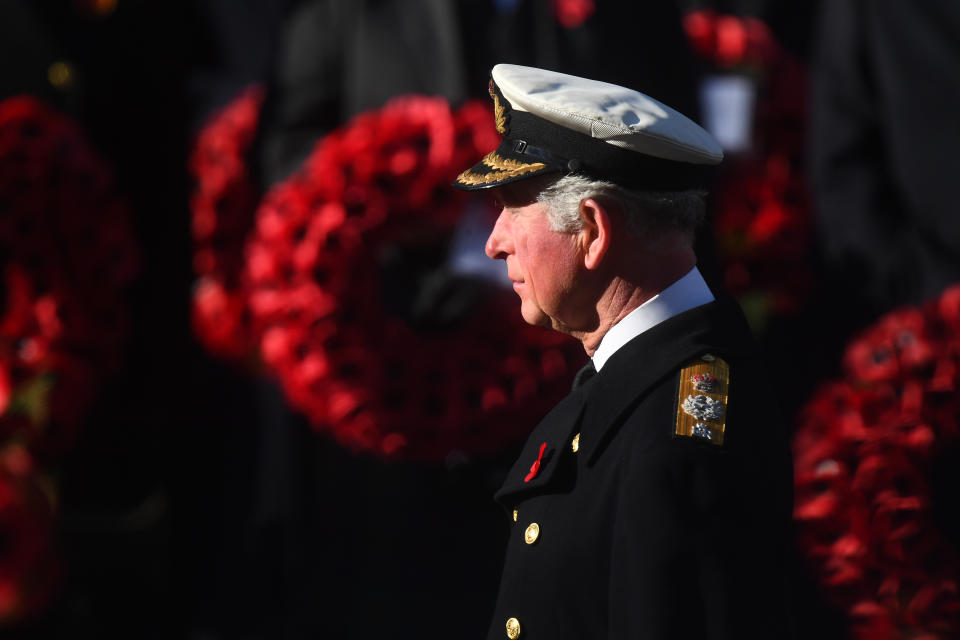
point(535, 467)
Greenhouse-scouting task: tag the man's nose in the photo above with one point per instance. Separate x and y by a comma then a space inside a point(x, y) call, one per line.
point(496, 247)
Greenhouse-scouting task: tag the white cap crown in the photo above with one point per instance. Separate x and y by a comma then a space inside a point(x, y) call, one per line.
point(616, 115)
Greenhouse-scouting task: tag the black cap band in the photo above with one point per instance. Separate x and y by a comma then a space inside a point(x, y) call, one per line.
point(533, 139)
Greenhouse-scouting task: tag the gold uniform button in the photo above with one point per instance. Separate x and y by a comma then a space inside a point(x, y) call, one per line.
point(516, 512)
point(513, 628)
point(532, 533)
point(575, 445)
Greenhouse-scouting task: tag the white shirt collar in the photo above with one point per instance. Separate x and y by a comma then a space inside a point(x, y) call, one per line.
point(686, 293)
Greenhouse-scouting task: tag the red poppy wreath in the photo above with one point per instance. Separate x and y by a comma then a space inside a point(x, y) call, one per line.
point(67, 254)
point(864, 452)
point(222, 208)
point(762, 219)
point(373, 334)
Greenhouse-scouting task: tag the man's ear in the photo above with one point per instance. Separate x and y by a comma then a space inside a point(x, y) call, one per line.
point(596, 233)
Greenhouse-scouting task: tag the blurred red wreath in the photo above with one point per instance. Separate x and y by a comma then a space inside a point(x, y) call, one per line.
point(570, 14)
point(222, 208)
point(67, 255)
point(729, 40)
point(863, 453)
point(324, 262)
point(762, 219)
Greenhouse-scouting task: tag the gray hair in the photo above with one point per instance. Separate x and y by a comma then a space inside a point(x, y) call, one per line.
point(644, 211)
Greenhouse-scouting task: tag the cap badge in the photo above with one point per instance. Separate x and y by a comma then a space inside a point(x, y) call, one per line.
point(499, 113)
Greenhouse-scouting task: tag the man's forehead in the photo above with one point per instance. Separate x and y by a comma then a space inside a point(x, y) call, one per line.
point(522, 192)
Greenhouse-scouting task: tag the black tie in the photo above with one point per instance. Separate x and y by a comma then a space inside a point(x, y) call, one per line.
point(584, 374)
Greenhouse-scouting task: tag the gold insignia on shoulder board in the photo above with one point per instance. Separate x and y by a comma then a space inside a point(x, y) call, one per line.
point(702, 399)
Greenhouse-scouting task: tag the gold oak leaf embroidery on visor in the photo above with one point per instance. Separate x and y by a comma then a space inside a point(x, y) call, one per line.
point(502, 169)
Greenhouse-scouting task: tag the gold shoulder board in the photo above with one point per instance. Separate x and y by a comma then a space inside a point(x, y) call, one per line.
point(702, 399)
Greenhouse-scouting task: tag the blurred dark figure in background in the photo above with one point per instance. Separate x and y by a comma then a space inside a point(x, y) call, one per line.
point(885, 132)
point(337, 58)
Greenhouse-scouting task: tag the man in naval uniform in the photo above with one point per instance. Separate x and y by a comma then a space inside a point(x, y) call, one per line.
point(654, 501)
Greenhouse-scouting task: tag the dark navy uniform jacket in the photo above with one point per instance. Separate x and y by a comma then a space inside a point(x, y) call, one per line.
point(637, 532)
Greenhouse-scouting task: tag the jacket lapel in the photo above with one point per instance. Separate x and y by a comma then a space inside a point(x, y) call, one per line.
point(556, 430)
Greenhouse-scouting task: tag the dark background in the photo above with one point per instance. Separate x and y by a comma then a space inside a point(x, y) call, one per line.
point(197, 505)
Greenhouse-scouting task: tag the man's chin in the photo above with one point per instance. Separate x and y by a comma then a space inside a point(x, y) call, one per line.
point(535, 317)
